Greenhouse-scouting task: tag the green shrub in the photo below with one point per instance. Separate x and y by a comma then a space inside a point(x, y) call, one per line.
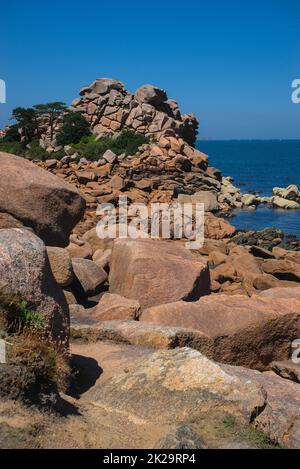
point(18, 314)
point(35, 151)
point(74, 128)
point(126, 142)
point(12, 134)
point(29, 344)
point(15, 148)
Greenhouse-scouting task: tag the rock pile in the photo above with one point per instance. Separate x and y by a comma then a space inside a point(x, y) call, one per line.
point(108, 107)
point(157, 172)
point(236, 299)
point(286, 197)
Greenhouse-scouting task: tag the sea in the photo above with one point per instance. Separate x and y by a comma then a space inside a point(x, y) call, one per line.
point(256, 167)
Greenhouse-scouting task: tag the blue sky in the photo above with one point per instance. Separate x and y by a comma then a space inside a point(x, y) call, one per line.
point(230, 62)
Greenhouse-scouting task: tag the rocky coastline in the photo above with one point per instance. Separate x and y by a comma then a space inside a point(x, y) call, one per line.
point(197, 348)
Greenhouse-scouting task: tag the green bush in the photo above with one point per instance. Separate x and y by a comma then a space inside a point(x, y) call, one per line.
point(17, 314)
point(74, 128)
point(35, 151)
point(126, 142)
point(12, 134)
point(12, 147)
point(32, 150)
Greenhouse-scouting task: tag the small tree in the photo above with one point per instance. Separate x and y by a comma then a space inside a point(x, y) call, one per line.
point(27, 121)
point(74, 127)
point(51, 111)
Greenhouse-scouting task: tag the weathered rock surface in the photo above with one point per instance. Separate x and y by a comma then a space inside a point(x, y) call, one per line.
point(102, 258)
point(289, 193)
point(280, 418)
point(207, 198)
point(137, 333)
point(279, 202)
point(39, 199)
point(25, 269)
point(266, 281)
point(250, 332)
point(217, 228)
point(282, 269)
point(8, 221)
point(61, 265)
point(89, 277)
point(112, 306)
point(165, 387)
point(156, 272)
point(182, 438)
point(282, 292)
point(109, 107)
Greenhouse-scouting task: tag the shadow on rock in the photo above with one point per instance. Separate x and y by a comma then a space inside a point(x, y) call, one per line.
point(86, 372)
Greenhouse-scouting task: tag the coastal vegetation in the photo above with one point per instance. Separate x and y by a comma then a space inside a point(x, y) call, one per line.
point(126, 142)
point(33, 361)
point(23, 137)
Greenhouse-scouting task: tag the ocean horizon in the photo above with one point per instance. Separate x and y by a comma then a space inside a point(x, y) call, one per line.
point(257, 166)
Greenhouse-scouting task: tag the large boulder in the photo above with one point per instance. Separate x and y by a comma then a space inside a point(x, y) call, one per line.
point(151, 95)
point(246, 266)
point(207, 198)
point(283, 269)
point(246, 331)
point(290, 193)
point(217, 228)
point(280, 202)
point(115, 307)
point(178, 386)
point(88, 277)
point(102, 86)
point(39, 199)
point(25, 270)
point(155, 272)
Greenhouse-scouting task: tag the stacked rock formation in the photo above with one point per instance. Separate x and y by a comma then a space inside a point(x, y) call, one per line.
point(109, 107)
point(167, 168)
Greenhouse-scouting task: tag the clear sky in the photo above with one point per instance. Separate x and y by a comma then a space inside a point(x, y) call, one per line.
point(230, 62)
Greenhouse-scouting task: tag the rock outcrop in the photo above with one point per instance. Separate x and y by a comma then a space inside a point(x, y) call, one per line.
point(165, 387)
point(108, 107)
point(156, 272)
point(239, 326)
point(39, 200)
